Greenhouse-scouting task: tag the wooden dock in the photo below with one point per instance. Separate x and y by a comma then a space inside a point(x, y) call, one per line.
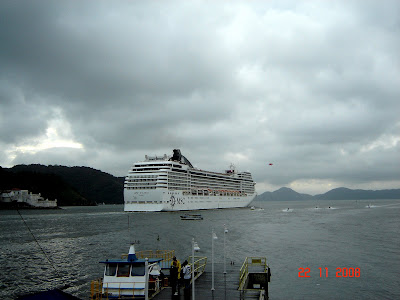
point(226, 285)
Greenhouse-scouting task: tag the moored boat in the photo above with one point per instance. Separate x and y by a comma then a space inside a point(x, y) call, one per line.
point(140, 275)
point(192, 217)
point(132, 276)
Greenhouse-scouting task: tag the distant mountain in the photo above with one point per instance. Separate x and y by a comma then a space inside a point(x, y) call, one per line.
point(348, 194)
point(283, 194)
point(286, 194)
point(94, 185)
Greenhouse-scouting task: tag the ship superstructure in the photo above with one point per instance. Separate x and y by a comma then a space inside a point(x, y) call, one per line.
point(162, 183)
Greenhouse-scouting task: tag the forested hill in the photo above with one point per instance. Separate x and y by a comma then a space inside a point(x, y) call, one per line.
point(50, 186)
point(91, 186)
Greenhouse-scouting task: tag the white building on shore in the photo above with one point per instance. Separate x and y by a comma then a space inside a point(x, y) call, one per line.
point(23, 196)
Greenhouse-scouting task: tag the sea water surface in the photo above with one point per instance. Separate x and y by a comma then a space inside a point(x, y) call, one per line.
point(292, 235)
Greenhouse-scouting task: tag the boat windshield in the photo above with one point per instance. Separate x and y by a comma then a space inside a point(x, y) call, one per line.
point(111, 269)
point(123, 270)
point(137, 270)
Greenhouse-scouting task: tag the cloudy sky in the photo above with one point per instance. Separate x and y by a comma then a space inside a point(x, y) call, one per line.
point(312, 87)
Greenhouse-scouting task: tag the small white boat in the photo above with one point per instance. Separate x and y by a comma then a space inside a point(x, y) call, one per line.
point(131, 276)
point(139, 275)
point(192, 217)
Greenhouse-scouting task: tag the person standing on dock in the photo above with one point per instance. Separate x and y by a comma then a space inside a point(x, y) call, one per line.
point(187, 275)
point(175, 276)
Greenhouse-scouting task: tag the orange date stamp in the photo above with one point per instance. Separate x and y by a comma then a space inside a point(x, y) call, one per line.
point(340, 272)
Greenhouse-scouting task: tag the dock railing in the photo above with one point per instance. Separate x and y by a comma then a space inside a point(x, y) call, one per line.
point(251, 263)
point(199, 265)
point(166, 255)
point(95, 289)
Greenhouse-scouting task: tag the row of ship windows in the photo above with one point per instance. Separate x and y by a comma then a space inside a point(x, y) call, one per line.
point(143, 176)
point(213, 186)
point(210, 182)
point(201, 175)
point(134, 187)
point(195, 178)
point(213, 193)
point(221, 187)
point(219, 182)
point(193, 183)
point(200, 192)
point(146, 170)
point(141, 180)
point(189, 186)
point(188, 198)
point(196, 193)
point(158, 165)
point(140, 188)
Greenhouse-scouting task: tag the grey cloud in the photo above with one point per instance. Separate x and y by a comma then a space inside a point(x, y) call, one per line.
point(312, 87)
point(19, 117)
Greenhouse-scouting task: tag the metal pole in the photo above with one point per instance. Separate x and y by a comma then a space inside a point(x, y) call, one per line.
point(193, 268)
point(146, 279)
point(225, 231)
point(212, 260)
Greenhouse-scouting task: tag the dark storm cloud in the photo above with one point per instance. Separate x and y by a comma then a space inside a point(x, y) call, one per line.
point(104, 54)
point(102, 67)
point(310, 86)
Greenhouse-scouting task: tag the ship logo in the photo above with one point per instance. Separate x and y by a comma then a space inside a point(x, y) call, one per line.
point(174, 201)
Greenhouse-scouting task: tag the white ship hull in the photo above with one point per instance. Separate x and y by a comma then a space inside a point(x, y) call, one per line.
point(159, 200)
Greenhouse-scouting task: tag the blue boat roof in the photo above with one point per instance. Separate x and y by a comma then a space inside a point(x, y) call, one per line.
point(125, 261)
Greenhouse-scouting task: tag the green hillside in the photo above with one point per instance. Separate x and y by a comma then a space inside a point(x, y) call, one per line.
point(50, 186)
point(91, 185)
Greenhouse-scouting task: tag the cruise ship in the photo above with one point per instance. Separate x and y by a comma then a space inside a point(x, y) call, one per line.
point(171, 183)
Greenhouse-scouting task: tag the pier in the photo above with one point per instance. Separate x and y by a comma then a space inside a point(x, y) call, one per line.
point(226, 286)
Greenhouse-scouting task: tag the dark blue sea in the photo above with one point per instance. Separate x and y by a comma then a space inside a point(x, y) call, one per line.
point(338, 235)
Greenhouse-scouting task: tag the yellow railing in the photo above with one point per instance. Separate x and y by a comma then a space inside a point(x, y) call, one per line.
point(164, 254)
point(199, 265)
point(244, 270)
point(95, 289)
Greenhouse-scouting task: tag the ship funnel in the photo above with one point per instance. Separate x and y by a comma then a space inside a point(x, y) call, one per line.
point(132, 253)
